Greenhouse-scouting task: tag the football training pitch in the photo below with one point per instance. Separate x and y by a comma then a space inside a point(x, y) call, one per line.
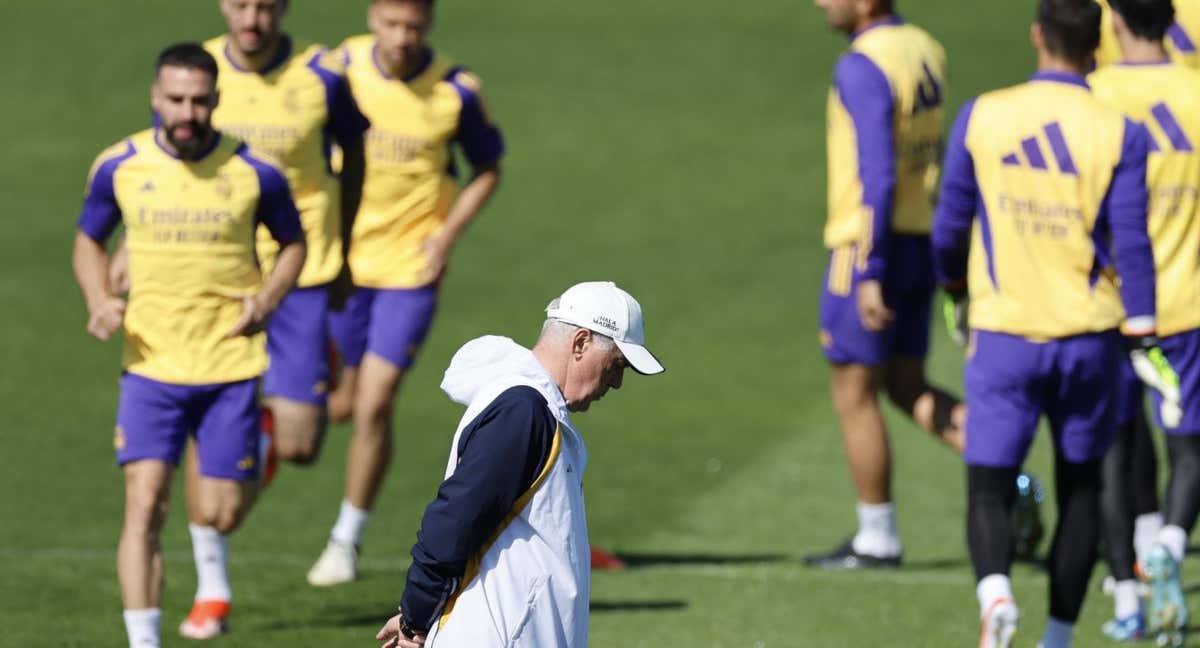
point(674, 146)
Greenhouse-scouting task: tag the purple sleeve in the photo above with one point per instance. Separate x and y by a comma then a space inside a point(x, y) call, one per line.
point(480, 140)
point(957, 205)
point(346, 123)
point(1125, 207)
point(101, 214)
point(275, 207)
point(867, 96)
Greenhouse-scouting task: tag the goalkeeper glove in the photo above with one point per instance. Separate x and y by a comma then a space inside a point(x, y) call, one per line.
point(1152, 367)
point(954, 312)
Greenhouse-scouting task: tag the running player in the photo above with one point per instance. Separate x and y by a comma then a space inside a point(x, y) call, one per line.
point(190, 200)
point(1044, 189)
point(288, 99)
point(884, 131)
point(1134, 454)
point(421, 105)
point(1149, 87)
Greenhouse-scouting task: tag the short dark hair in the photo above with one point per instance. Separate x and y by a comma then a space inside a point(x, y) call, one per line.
point(191, 56)
point(1147, 19)
point(1070, 28)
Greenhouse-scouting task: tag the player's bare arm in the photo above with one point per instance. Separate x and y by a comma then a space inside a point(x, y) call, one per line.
point(118, 269)
point(470, 202)
point(105, 311)
point(257, 309)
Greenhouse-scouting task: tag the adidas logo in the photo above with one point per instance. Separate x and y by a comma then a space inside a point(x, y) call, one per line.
point(1179, 39)
point(1031, 148)
point(148, 187)
point(1176, 138)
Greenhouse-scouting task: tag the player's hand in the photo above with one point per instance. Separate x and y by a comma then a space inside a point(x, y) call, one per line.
point(105, 318)
point(437, 255)
point(390, 637)
point(341, 289)
point(954, 312)
point(873, 312)
point(118, 272)
point(1153, 368)
point(255, 313)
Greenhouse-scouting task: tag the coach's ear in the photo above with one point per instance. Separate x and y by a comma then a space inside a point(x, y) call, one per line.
point(1035, 37)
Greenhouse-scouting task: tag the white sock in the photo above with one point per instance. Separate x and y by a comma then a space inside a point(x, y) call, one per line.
point(992, 588)
point(1145, 532)
point(1126, 602)
point(1058, 634)
point(877, 535)
point(349, 527)
point(142, 627)
point(1175, 540)
point(209, 549)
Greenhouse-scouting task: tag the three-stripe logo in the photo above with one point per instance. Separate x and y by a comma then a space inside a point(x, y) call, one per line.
point(1176, 138)
point(1031, 149)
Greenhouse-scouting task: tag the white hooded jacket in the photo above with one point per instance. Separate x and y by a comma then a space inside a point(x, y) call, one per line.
point(529, 586)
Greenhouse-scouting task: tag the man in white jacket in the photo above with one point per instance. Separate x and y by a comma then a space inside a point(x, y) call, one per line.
point(502, 556)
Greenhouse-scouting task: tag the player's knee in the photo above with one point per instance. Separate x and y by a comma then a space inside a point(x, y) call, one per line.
point(1079, 477)
point(229, 514)
point(302, 457)
point(904, 391)
point(340, 409)
point(988, 484)
point(302, 444)
point(849, 399)
point(373, 408)
point(226, 522)
point(145, 510)
point(303, 452)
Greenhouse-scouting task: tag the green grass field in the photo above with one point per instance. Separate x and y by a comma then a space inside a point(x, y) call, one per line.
point(674, 146)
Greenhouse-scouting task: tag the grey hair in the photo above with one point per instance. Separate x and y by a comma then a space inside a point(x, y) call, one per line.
point(556, 329)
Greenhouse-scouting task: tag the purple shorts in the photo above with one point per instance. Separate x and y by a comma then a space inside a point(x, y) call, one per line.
point(390, 323)
point(154, 420)
point(1183, 350)
point(298, 347)
point(1131, 394)
point(1011, 382)
point(907, 290)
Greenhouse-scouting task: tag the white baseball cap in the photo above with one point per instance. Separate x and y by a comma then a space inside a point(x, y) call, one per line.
point(602, 307)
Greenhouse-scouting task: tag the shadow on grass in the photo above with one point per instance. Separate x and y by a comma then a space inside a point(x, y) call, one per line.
point(636, 560)
point(601, 607)
point(933, 564)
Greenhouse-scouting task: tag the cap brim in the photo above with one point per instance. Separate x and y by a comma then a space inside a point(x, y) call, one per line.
point(640, 358)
